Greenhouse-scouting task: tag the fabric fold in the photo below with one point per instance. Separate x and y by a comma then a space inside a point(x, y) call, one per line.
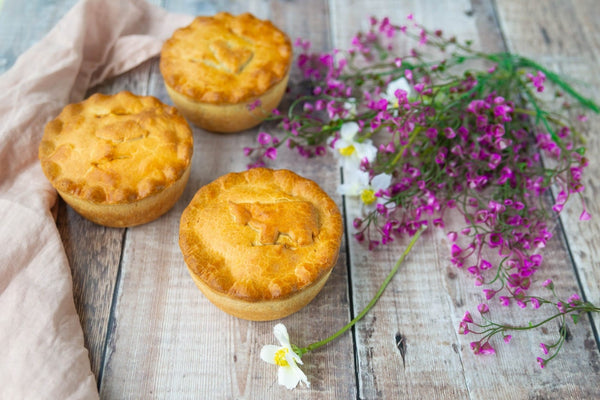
point(42, 352)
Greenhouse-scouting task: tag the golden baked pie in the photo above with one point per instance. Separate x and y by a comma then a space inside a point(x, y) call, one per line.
point(218, 66)
point(260, 244)
point(118, 160)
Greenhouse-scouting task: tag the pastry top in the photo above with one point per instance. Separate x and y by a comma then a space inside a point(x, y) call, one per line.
point(112, 149)
point(260, 234)
point(225, 59)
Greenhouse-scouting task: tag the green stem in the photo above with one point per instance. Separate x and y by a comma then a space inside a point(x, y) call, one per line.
point(411, 139)
point(316, 345)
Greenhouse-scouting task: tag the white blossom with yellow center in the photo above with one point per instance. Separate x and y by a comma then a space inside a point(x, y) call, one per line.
point(350, 151)
point(357, 184)
point(289, 374)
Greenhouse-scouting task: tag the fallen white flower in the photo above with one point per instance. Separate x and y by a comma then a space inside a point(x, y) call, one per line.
point(289, 374)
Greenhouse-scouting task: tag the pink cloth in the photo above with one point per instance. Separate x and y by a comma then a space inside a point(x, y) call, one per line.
point(42, 354)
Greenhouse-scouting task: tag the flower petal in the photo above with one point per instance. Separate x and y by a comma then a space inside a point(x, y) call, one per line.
point(366, 150)
point(300, 374)
point(287, 377)
point(381, 182)
point(349, 189)
point(267, 353)
point(281, 334)
point(348, 130)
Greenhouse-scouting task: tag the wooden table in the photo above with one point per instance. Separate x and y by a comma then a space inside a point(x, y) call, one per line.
point(152, 334)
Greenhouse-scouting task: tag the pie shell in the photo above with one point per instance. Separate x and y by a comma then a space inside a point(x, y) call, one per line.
point(260, 244)
point(118, 160)
point(226, 73)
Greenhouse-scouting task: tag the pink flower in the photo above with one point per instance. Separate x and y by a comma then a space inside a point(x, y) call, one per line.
point(544, 348)
point(505, 301)
point(535, 303)
point(467, 317)
point(264, 138)
point(455, 250)
point(489, 293)
point(574, 300)
point(507, 338)
point(271, 153)
point(487, 349)
point(585, 216)
point(252, 106)
point(485, 264)
point(541, 362)
point(483, 308)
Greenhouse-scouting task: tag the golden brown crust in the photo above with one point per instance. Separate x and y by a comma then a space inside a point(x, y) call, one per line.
point(225, 59)
point(259, 236)
point(116, 149)
point(227, 118)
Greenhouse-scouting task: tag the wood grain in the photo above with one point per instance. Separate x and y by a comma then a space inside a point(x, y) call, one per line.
point(152, 334)
point(167, 338)
point(428, 298)
point(571, 47)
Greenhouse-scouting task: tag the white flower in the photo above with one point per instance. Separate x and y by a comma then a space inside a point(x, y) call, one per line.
point(358, 184)
point(289, 374)
point(393, 86)
point(349, 150)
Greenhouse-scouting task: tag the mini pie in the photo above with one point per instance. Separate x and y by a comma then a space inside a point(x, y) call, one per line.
point(119, 160)
point(260, 244)
point(217, 68)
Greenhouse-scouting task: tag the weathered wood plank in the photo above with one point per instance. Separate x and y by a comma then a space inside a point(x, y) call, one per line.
point(426, 301)
point(570, 46)
point(94, 252)
point(168, 340)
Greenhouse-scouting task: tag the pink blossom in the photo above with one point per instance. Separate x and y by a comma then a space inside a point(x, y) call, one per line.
point(487, 349)
point(467, 317)
point(574, 300)
point(489, 293)
point(585, 216)
point(541, 362)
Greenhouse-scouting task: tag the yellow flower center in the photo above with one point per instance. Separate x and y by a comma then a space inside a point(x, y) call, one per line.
point(368, 196)
point(280, 357)
point(347, 151)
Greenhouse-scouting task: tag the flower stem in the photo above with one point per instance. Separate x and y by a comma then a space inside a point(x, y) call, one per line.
point(388, 279)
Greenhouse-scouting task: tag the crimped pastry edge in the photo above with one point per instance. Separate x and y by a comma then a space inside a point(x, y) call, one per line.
point(188, 243)
point(121, 215)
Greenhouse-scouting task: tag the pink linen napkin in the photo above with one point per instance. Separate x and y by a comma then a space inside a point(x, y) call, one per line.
point(42, 354)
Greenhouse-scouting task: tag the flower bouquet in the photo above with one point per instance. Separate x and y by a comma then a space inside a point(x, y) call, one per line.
point(494, 138)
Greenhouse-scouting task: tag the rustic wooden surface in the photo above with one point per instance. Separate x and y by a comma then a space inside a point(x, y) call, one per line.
point(151, 333)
